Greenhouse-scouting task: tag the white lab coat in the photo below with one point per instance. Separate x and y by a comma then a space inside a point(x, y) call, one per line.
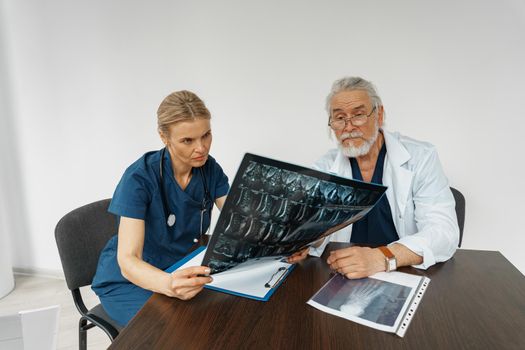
point(422, 205)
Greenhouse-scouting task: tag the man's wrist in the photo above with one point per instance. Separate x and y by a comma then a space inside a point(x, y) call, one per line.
point(389, 259)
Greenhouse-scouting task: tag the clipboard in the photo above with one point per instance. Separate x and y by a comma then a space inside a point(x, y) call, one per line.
point(256, 279)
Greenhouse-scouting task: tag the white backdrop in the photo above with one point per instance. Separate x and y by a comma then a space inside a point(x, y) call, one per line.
point(85, 79)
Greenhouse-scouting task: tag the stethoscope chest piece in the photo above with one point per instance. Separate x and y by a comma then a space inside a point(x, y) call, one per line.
point(171, 220)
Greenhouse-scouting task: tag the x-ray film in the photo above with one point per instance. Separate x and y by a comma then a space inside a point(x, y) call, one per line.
point(276, 208)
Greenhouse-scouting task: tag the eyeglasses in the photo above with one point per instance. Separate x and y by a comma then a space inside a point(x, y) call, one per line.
point(340, 122)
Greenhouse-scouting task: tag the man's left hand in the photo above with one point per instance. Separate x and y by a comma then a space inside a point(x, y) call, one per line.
point(357, 262)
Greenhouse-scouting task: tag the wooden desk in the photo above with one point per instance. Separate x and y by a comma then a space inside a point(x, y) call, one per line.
point(474, 301)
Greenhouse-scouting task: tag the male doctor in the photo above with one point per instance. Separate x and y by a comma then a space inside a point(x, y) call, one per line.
point(415, 223)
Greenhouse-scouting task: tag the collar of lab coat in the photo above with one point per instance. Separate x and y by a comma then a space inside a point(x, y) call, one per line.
point(396, 175)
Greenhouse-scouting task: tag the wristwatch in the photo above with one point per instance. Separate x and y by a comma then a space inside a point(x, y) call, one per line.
point(390, 259)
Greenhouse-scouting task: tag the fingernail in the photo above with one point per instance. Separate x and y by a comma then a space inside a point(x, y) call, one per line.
point(207, 271)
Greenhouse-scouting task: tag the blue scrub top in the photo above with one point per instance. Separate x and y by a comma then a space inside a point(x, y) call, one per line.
point(377, 227)
point(138, 196)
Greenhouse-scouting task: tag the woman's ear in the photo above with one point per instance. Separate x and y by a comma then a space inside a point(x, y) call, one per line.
point(163, 137)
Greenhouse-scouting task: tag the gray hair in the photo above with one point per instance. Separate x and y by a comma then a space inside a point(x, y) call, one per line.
point(350, 84)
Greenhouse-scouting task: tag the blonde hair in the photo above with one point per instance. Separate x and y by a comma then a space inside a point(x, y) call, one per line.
point(180, 106)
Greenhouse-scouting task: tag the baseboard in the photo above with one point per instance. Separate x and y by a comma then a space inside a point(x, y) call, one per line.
point(49, 273)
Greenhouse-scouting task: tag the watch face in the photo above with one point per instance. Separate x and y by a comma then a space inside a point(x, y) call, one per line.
point(391, 264)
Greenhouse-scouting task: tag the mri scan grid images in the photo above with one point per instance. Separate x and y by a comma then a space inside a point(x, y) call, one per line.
point(274, 211)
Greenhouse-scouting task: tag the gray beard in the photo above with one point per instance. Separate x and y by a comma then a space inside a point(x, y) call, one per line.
point(354, 152)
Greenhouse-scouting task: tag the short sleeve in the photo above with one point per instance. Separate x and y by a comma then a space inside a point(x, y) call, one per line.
point(133, 193)
point(220, 180)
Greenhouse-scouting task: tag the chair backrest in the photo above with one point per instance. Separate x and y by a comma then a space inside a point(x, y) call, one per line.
point(81, 235)
point(460, 211)
point(11, 332)
point(30, 329)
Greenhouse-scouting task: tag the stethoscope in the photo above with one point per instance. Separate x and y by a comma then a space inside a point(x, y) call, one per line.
point(168, 213)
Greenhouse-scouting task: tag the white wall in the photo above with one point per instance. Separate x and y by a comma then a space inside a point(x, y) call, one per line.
point(6, 273)
point(86, 78)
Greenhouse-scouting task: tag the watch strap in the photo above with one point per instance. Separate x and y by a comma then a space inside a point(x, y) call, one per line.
point(386, 252)
point(390, 259)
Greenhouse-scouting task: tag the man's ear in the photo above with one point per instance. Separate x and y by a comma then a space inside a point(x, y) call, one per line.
point(380, 116)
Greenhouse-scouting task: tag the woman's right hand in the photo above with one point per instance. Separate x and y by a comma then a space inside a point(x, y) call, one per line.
point(186, 283)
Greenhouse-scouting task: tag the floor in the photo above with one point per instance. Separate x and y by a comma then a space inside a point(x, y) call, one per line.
point(33, 292)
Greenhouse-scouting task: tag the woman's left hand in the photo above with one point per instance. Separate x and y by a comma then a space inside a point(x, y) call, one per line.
point(298, 256)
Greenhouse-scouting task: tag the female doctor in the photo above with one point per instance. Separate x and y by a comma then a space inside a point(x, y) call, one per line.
point(164, 201)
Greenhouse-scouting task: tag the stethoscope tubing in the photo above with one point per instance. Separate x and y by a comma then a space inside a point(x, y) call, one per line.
point(168, 213)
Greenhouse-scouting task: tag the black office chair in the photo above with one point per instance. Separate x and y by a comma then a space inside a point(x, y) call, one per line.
point(460, 211)
point(81, 235)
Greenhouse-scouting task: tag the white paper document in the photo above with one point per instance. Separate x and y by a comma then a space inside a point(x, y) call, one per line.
point(255, 279)
point(384, 301)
